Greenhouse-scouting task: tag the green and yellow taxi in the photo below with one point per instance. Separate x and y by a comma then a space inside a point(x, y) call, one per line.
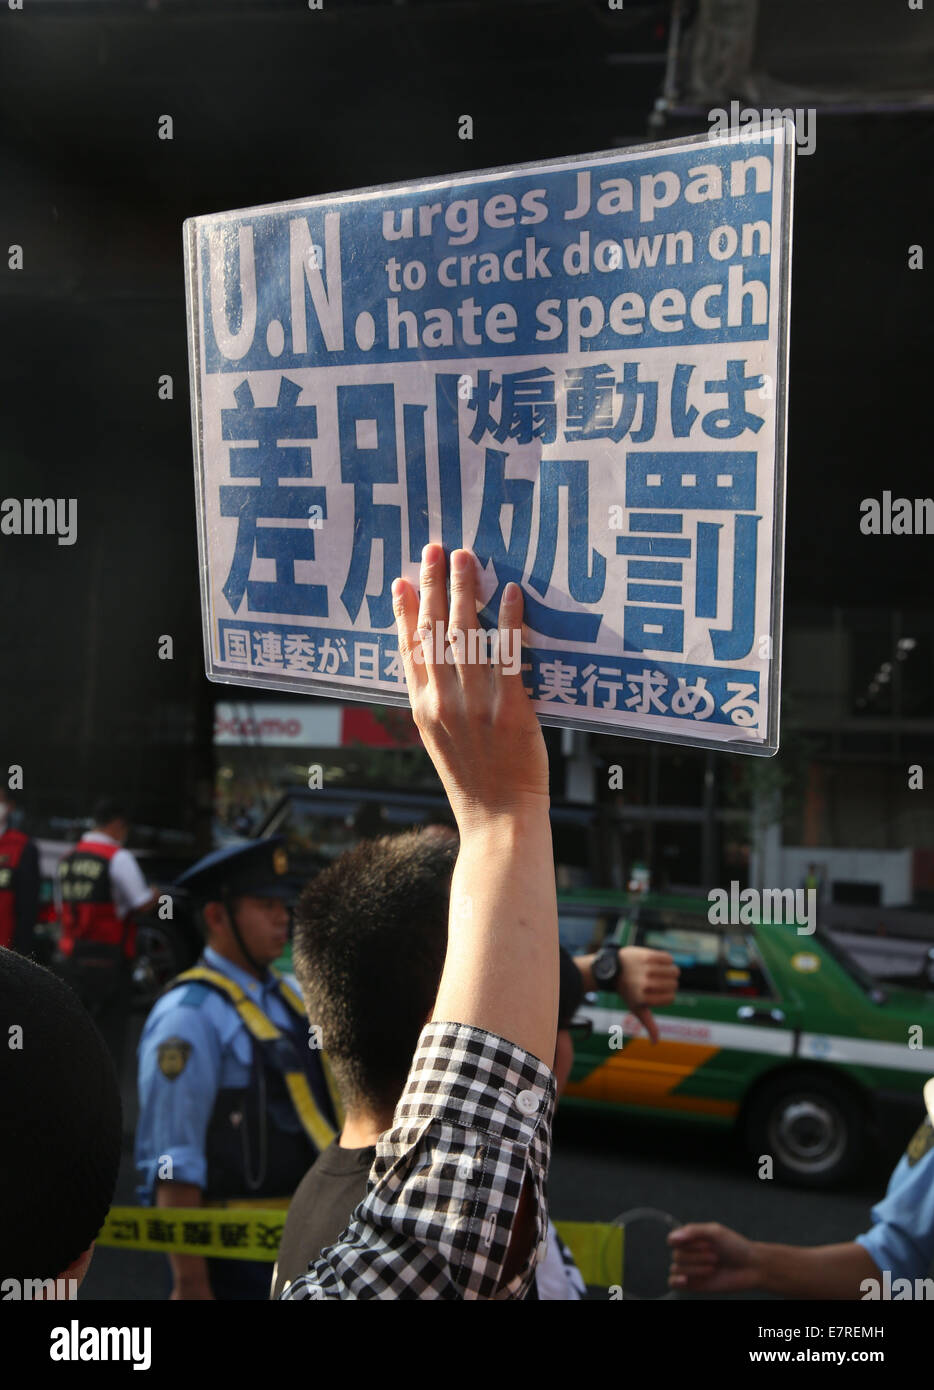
point(773, 1030)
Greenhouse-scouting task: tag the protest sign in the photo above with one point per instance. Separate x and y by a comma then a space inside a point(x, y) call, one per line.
point(576, 368)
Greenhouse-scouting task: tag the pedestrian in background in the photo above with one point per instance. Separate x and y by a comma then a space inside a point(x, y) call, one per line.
point(19, 881)
point(102, 886)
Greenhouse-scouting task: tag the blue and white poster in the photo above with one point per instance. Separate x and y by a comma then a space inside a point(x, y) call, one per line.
point(577, 369)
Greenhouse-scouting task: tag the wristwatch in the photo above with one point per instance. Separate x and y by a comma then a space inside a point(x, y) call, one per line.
point(605, 967)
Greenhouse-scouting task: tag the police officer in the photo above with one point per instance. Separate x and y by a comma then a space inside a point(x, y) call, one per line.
point(893, 1260)
point(19, 882)
point(102, 886)
point(236, 1100)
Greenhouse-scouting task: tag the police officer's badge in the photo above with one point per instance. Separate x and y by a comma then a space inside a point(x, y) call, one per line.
point(172, 1056)
point(922, 1140)
point(280, 860)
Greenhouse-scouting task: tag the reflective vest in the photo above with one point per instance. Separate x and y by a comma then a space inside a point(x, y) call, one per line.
point(12, 844)
point(89, 914)
point(262, 1138)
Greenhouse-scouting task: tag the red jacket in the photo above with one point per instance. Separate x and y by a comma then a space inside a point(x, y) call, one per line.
point(89, 913)
point(12, 844)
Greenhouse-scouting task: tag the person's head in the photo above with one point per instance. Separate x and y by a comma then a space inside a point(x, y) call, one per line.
point(110, 818)
point(243, 892)
point(61, 1119)
point(6, 806)
point(369, 947)
point(262, 924)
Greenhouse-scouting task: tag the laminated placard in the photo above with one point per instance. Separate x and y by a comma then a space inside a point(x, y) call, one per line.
point(577, 369)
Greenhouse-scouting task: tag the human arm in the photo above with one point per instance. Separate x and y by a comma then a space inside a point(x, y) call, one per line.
point(478, 725)
point(189, 1272)
point(179, 1074)
point(440, 1213)
point(482, 734)
point(131, 891)
point(900, 1243)
point(901, 1237)
point(470, 1140)
point(709, 1258)
point(647, 979)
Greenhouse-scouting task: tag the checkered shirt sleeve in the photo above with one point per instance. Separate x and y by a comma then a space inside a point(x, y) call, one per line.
point(473, 1121)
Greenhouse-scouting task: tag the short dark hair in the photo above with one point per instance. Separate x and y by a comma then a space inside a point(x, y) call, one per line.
point(369, 948)
point(60, 1112)
point(108, 808)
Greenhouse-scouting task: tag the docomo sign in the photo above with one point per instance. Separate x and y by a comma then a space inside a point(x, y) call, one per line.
point(256, 728)
point(291, 725)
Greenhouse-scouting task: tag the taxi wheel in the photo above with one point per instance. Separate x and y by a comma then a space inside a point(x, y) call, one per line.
point(813, 1129)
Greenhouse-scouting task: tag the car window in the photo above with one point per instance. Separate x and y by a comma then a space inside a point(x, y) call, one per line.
point(696, 952)
point(712, 962)
point(317, 834)
point(395, 816)
point(866, 982)
point(317, 839)
point(743, 971)
point(583, 932)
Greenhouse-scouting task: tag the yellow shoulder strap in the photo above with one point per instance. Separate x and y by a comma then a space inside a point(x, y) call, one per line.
point(256, 1021)
point(315, 1125)
point(296, 1002)
point(319, 1131)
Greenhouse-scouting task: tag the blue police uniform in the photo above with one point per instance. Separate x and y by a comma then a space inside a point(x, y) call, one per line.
point(224, 1106)
point(901, 1240)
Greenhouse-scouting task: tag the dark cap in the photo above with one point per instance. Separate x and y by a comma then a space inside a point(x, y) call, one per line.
point(255, 869)
point(570, 989)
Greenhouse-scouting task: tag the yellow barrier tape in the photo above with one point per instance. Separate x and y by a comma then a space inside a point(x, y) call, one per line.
point(254, 1232)
point(597, 1250)
point(230, 1233)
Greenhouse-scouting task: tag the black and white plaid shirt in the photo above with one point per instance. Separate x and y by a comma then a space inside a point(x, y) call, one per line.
point(474, 1119)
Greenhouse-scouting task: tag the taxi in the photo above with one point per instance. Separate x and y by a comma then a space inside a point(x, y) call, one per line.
point(777, 1033)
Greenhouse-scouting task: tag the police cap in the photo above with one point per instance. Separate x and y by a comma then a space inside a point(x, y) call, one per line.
point(256, 869)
